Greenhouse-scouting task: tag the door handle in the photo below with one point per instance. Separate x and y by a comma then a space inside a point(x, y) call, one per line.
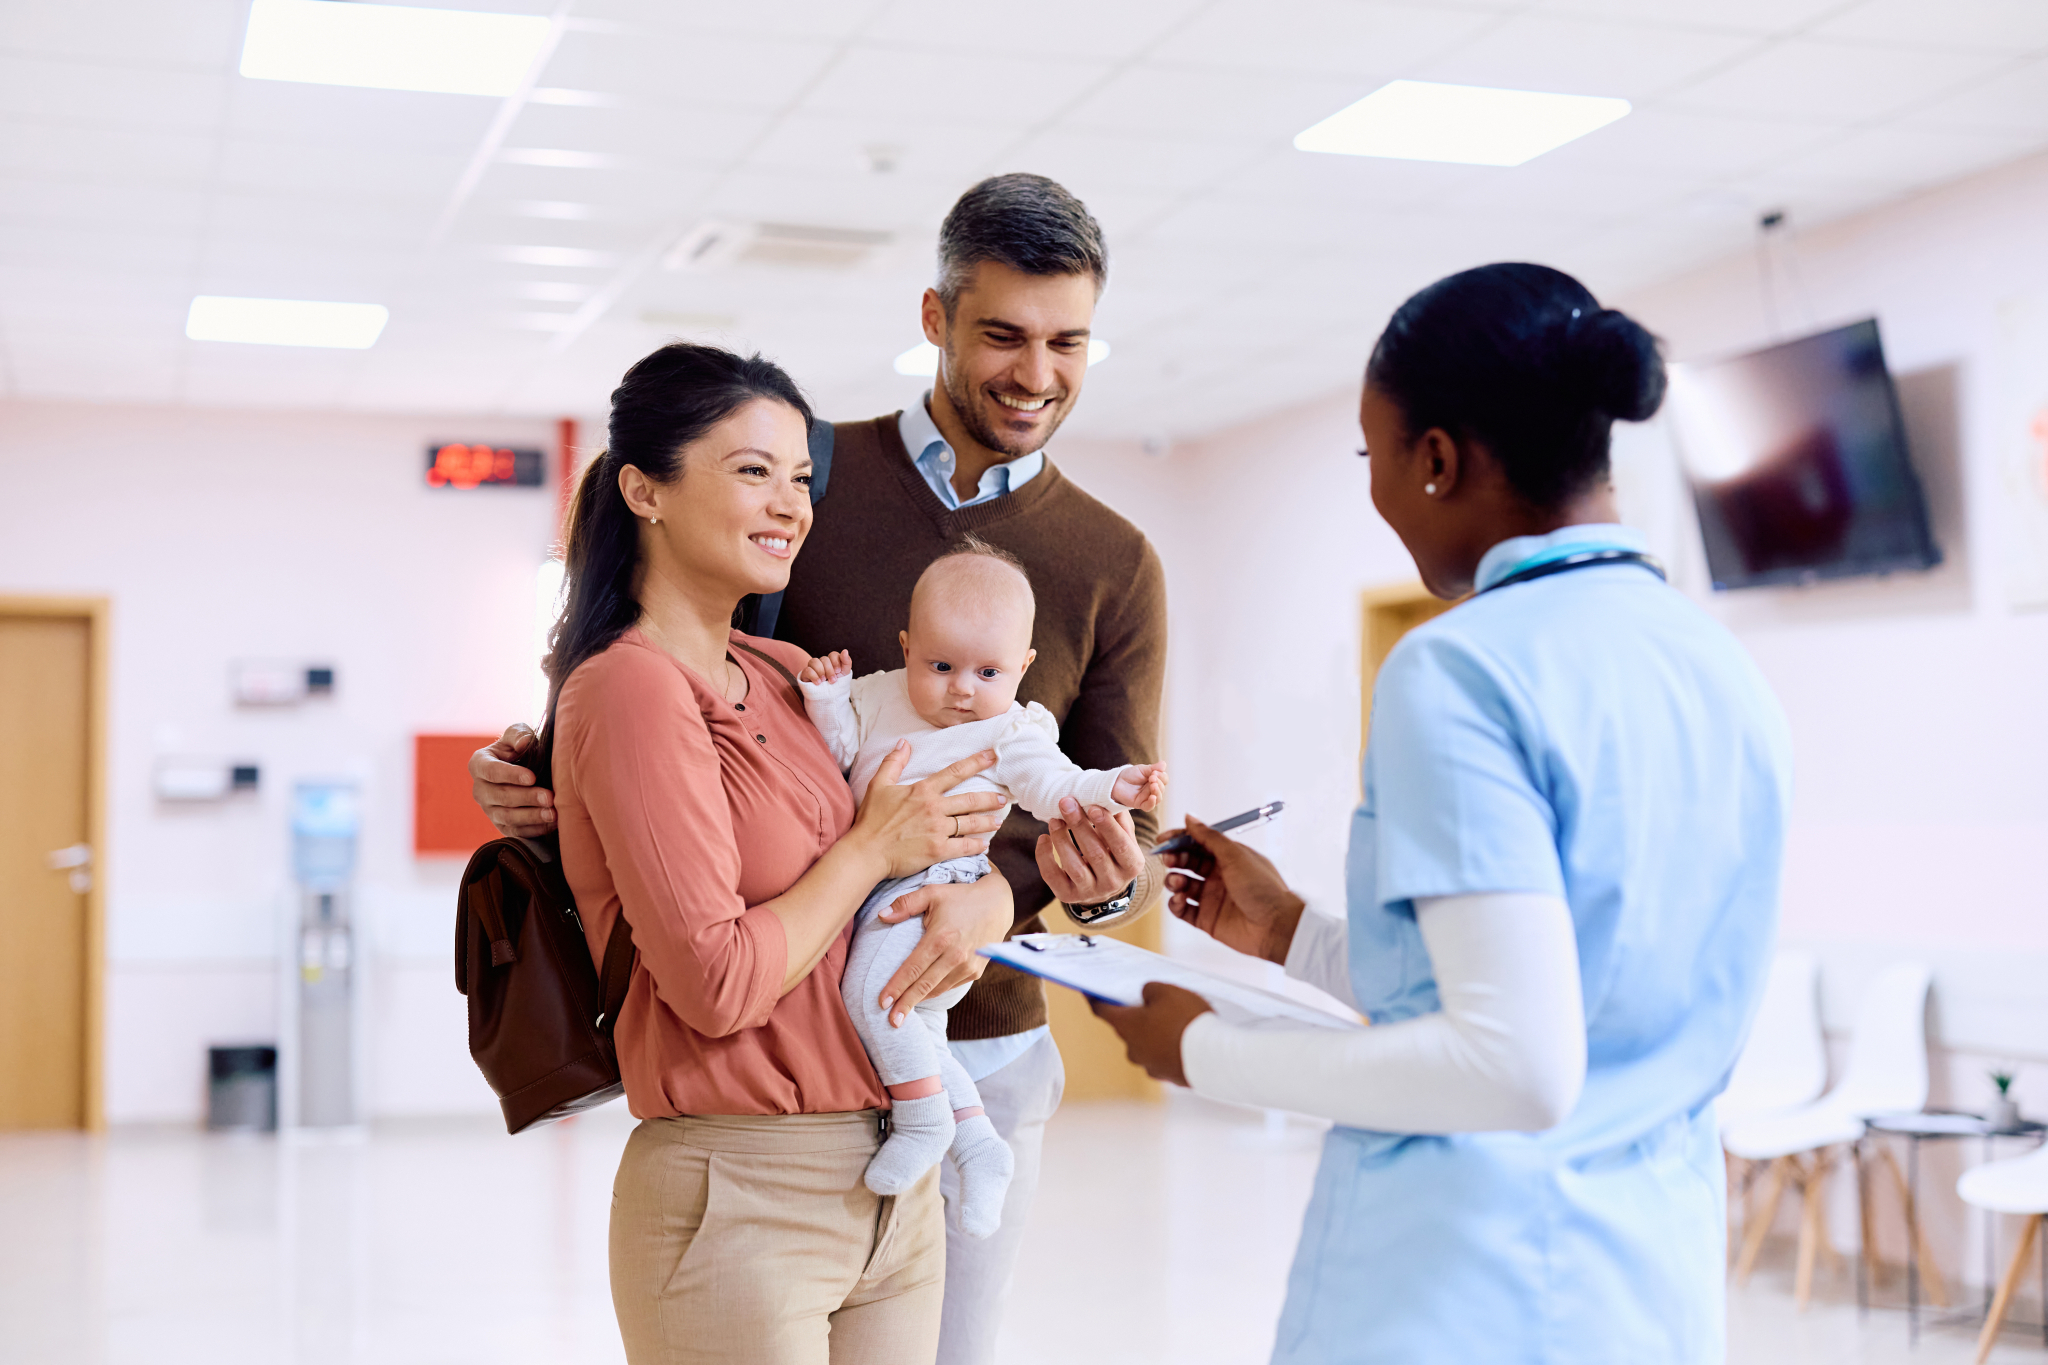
point(75, 859)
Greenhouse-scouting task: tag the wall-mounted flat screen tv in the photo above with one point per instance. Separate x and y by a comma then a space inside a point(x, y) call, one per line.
point(1798, 464)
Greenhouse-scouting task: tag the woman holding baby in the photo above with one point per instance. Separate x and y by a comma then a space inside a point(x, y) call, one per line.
point(764, 1209)
point(698, 799)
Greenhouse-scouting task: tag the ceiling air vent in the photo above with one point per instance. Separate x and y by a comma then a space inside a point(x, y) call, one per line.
point(712, 245)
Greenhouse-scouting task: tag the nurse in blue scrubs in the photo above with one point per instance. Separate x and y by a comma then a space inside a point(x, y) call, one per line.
point(1562, 886)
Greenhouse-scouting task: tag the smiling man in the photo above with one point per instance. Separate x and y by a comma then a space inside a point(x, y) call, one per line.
point(1021, 265)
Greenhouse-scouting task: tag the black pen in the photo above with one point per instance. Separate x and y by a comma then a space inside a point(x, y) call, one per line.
point(1181, 842)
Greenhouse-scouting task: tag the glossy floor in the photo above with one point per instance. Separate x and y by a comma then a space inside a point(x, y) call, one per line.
point(1162, 1235)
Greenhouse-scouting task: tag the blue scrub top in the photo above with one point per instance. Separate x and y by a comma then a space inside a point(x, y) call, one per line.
point(1592, 735)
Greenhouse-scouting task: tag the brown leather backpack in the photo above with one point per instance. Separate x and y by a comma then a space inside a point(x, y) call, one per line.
point(540, 1012)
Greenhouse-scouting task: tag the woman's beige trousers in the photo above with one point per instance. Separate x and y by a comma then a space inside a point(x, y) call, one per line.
point(750, 1240)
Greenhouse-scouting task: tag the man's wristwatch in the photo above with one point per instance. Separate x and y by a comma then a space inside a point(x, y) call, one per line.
point(1106, 913)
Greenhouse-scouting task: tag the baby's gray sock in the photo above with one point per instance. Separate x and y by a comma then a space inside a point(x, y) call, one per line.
point(986, 1165)
point(920, 1131)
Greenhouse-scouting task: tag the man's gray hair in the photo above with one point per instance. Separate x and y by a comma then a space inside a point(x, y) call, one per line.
point(1026, 222)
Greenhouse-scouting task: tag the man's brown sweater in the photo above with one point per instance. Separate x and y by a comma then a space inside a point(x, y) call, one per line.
point(1100, 637)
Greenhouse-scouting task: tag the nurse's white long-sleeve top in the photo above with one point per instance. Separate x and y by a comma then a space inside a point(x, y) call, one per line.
point(1507, 1050)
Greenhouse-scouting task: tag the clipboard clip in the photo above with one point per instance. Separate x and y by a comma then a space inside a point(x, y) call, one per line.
point(1086, 942)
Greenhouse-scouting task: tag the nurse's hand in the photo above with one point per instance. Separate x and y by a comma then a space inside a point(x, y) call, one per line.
point(1233, 893)
point(1151, 1031)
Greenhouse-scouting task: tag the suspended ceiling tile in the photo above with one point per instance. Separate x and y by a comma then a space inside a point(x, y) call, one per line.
point(98, 93)
point(810, 21)
point(651, 136)
point(1687, 145)
point(1240, 107)
point(1891, 158)
point(1299, 182)
point(1061, 29)
point(1009, 91)
point(1764, 17)
point(1355, 41)
point(838, 143)
point(72, 152)
point(199, 33)
point(332, 171)
point(1837, 82)
point(1152, 164)
point(334, 115)
point(107, 203)
point(136, 247)
point(651, 67)
point(1586, 56)
point(2015, 99)
point(1999, 26)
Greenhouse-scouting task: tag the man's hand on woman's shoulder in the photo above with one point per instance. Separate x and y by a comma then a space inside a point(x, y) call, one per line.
point(506, 791)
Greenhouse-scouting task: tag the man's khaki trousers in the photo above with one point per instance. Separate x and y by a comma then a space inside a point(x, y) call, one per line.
point(750, 1240)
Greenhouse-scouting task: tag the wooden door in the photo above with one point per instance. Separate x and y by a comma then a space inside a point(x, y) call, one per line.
point(48, 939)
point(1389, 613)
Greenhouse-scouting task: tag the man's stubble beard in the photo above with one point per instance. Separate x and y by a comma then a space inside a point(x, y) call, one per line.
point(970, 415)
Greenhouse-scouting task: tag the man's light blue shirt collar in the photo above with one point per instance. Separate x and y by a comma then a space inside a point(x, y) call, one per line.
point(1525, 552)
point(934, 459)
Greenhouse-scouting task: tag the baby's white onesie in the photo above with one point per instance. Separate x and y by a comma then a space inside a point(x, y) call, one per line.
point(861, 719)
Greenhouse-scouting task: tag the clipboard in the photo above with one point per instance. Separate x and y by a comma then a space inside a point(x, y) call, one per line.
point(1115, 973)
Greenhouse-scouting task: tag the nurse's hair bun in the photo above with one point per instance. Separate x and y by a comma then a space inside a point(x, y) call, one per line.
point(1523, 360)
point(1615, 362)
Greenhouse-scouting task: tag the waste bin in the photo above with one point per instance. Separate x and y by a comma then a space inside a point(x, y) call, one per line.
point(241, 1089)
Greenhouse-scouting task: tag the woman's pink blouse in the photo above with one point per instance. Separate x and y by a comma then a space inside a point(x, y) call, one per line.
point(686, 812)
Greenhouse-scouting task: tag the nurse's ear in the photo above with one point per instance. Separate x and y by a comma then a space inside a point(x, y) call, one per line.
point(1439, 462)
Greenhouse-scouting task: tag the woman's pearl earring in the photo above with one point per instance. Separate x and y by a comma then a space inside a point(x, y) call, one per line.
point(656, 521)
point(1430, 489)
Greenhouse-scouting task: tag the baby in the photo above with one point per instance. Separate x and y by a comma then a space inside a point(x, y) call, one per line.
point(967, 648)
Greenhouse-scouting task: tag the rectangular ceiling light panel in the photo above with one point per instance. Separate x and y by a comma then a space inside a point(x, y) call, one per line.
point(286, 322)
point(391, 47)
point(1472, 125)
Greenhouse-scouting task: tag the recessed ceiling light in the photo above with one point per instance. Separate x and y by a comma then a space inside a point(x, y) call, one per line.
point(286, 322)
point(391, 47)
point(1469, 124)
point(923, 358)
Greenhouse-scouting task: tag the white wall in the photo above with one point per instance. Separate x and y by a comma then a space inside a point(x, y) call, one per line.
point(225, 535)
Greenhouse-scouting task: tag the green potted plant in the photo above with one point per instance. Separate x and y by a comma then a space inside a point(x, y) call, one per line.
point(2005, 1110)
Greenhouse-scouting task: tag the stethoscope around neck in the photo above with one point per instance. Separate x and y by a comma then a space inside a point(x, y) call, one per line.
point(1585, 559)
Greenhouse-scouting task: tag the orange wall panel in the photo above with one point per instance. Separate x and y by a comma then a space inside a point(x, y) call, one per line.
point(445, 819)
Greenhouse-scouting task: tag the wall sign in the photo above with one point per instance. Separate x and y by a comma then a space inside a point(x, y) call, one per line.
point(476, 464)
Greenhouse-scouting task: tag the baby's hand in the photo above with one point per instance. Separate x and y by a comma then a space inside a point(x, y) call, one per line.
point(1141, 786)
point(831, 668)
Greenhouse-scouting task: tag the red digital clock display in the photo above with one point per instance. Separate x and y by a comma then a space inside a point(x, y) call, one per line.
point(476, 464)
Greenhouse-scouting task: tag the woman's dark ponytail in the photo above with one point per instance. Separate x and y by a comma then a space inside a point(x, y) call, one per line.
point(1524, 359)
point(667, 400)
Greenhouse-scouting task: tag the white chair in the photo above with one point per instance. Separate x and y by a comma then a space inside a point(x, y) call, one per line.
point(1785, 1062)
point(2020, 1186)
point(1886, 1074)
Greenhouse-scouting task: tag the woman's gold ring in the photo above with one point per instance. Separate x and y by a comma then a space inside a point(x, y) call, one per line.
point(956, 827)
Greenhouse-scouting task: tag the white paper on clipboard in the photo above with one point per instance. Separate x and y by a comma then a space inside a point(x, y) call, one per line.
point(1110, 970)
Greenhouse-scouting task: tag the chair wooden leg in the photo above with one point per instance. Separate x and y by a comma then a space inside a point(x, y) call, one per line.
point(1811, 1231)
point(1760, 1224)
point(1930, 1273)
point(2007, 1285)
point(1866, 1250)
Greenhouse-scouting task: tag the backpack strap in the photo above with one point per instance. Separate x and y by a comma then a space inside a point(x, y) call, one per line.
point(761, 613)
point(779, 667)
